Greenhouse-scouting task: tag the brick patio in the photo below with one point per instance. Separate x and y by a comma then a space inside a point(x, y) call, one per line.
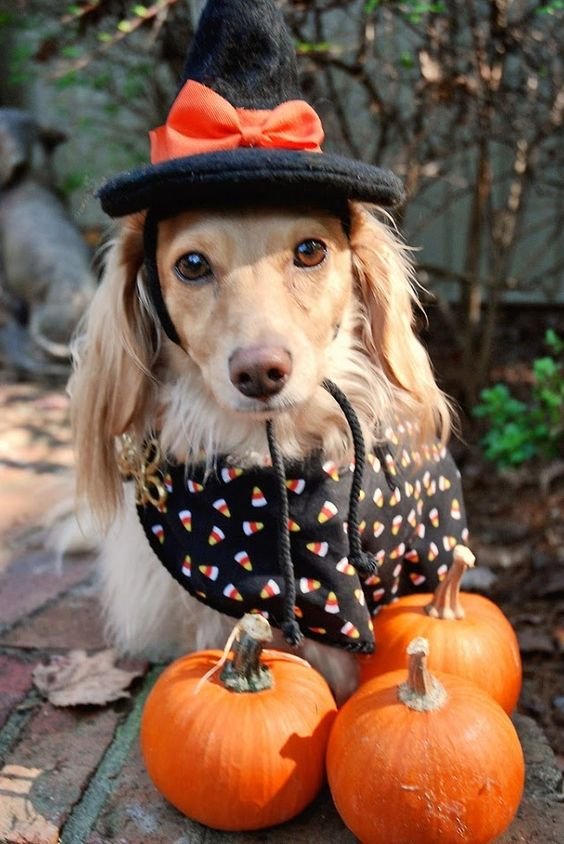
point(75, 775)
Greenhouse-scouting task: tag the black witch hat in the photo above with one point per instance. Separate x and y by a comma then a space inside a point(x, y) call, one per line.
point(238, 130)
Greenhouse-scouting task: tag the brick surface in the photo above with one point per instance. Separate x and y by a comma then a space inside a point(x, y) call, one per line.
point(34, 579)
point(45, 774)
point(15, 682)
point(70, 622)
point(136, 813)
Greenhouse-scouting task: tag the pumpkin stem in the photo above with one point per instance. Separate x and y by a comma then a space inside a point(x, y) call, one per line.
point(244, 672)
point(421, 691)
point(446, 600)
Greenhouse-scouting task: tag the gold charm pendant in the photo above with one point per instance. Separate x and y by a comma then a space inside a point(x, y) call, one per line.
point(142, 464)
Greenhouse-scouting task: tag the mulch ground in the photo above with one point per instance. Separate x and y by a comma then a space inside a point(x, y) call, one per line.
point(516, 517)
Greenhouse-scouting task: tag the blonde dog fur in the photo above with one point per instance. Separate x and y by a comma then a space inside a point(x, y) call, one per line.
point(349, 319)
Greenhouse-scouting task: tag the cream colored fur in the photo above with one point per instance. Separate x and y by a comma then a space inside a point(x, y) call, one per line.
point(351, 320)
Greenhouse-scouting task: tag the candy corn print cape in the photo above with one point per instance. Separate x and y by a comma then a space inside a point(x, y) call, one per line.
point(217, 536)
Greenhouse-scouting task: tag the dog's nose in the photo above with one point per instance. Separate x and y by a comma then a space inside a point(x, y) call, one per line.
point(260, 371)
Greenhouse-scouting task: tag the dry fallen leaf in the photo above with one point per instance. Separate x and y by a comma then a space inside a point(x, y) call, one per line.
point(78, 679)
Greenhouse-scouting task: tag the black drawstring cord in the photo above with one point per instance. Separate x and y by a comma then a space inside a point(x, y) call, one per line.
point(150, 238)
point(290, 627)
point(364, 563)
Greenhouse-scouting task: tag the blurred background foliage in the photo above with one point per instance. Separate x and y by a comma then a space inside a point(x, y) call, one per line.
point(464, 99)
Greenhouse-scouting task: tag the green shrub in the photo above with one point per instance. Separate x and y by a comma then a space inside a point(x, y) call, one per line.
point(518, 430)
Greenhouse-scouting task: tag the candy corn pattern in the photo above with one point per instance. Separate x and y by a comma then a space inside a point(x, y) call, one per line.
point(441, 571)
point(216, 535)
point(158, 531)
point(331, 469)
point(372, 580)
point(395, 497)
point(433, 552)
point(307, 584)
point(345, 567)
point(397, 552)
point(185, 517)
point(297, 486)
point(210, 572)
point(318, 548)
point(350, 630)
point(230, 473)
point(222, 507)
point(257, 497)
point(252, 527)
point(270, 589)
point(244, 560)
point(327, 512)
point(331, 604)
point(220, 536)
point(378, 529)
point(231, 591)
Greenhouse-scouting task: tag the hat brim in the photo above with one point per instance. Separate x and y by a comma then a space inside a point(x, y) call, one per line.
point(248, 176)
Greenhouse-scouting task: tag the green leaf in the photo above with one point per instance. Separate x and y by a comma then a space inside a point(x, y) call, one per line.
point(305, 47)
point(71, 52)
point(407, 60)
point(554, 342)
point(73, 181)
point(545, 368)
point(68, 80)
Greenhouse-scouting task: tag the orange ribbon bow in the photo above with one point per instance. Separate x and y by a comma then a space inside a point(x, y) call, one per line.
point(201, 120)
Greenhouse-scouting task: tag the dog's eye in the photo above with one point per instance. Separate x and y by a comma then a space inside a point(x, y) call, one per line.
point(310, 253)
point(192, 267)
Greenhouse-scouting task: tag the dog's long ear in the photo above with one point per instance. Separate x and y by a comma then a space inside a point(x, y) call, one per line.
point(112, 384)
point(385, 280)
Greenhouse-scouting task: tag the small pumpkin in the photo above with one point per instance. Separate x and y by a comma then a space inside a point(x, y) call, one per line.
point(468, 635)
point(244, 750)
point(427, 759)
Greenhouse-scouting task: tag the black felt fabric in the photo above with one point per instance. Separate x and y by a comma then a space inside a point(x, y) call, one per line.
point(248, 176)
point(218, 538)
point(243, 50)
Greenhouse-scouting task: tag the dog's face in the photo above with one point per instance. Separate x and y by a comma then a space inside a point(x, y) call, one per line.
point(257, 299)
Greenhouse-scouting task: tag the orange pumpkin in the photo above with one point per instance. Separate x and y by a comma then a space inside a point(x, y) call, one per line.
point(467, 633)
point(245, 750)
point(424, 760)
